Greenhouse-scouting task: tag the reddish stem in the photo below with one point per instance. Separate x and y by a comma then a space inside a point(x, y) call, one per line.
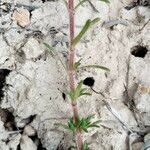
point(79, 141)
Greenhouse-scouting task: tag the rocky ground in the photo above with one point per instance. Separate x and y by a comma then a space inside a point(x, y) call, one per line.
point(33, 82)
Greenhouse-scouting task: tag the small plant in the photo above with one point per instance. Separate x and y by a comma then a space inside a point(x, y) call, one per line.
point(76, 124)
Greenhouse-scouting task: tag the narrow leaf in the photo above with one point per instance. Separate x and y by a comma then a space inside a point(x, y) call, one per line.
point(85, 28)
point(80, 3)
point(62, 125)
point(88, 94)
point(86, 146)
point(65, 3)
point(96, 66)
point(85, 130)
point(90, 117)
point(71, 95)
point(106, 1)
point(71, 148)
point(96, 122)
point(49, 48)
point(78, 90)
point(82, 32)
point(77, 64)
point(95, 21)
point(95, 126)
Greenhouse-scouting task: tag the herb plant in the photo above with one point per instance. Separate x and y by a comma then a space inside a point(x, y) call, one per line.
point(76, 124)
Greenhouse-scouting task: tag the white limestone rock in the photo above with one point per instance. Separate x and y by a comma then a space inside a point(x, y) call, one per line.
point(32, 49)
point(27, 144)
point(3, 146)
point(14, 142)
point(3, 133)
point(29, 130)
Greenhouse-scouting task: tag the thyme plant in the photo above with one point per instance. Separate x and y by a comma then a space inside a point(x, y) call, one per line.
point(76, 124)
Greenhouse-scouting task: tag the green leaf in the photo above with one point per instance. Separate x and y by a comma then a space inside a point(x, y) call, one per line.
point(85, 130)
point(90, 117)
point(80, 3)
point(62, 125)
point(53, 53)
point(66, 3)
point(71, 148)
point(82, 32)
point(96, 122)
point(95, 66)
point(78, 90)
point(95, 126)
point(71, 95)
point(86, 123)
point(71, 125)
point(77, 64)
point(83, 1)
point(106, 1)
point(49, 48)
point(88, 94)
point(86, 146)
point(85, 28)
point(94, 21)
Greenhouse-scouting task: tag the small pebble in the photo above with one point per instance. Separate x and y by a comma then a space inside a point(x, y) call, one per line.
point(29, 130)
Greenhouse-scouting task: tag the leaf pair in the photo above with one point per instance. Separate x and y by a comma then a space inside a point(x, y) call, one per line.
point(78, 92)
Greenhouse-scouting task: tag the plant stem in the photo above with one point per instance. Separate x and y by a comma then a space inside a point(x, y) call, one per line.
point(71, 71)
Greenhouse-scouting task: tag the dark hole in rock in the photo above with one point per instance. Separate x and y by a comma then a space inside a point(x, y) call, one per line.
point(4, 22)
point(9, 120)
point(30, 11)
point(112, 28)
point(18, 147)
point(139, 51)
point(37, 141)
point(3, 74)
point(53, 31)
point(34, 138)
point(37, 34)
point(142, 2)
point(5, 7)
point(29, 119)
point(40, 147)
point(135, 3)
point(64, 96)
point(47, 0)
point(61, 147)
point(89, 81)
